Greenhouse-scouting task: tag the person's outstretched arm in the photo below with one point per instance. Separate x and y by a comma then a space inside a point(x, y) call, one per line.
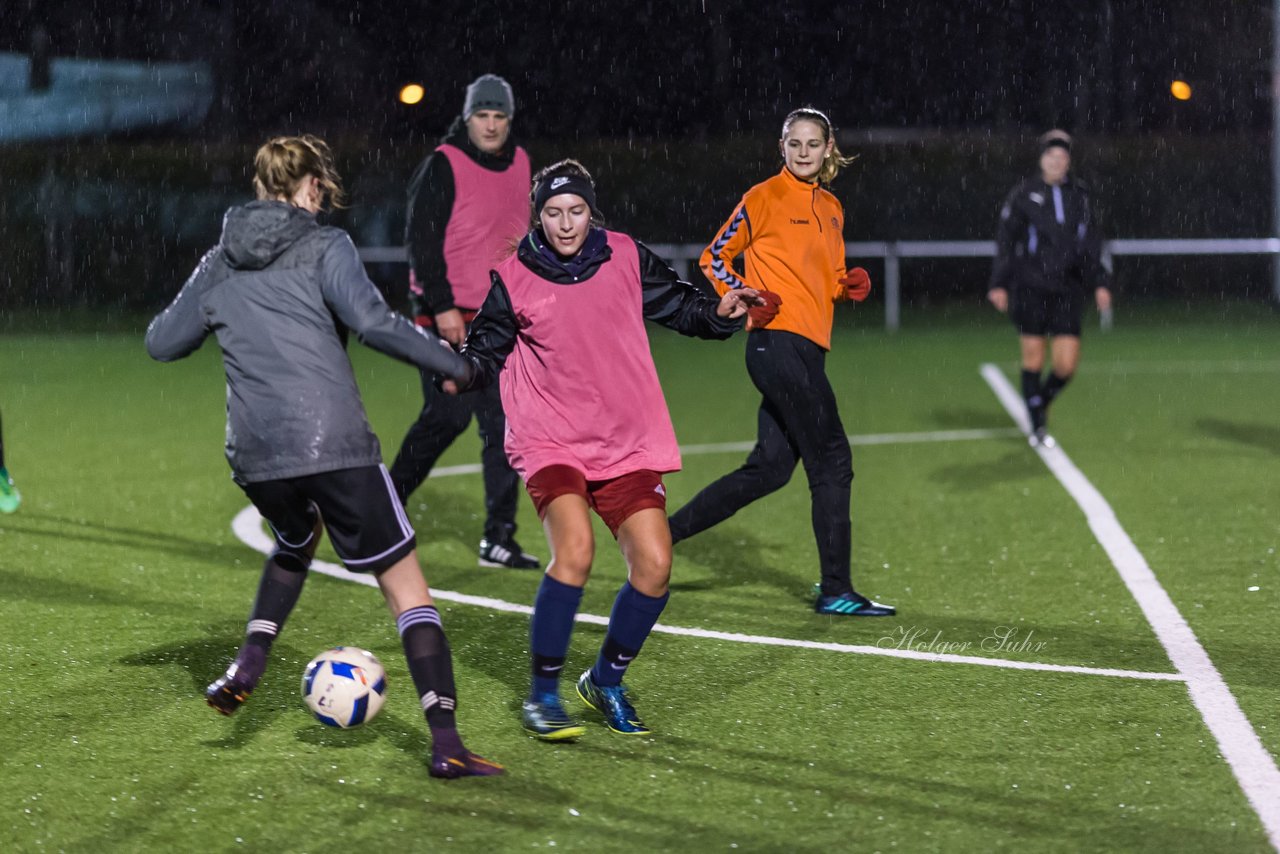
point(180, 329)
point(717, 259)
point(678, 305)
point(358, 304)
point(492, 337)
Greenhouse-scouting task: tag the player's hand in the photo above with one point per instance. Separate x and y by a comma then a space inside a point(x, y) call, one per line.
point(448, 385)
point(737, 301)
point(999, 298)
point(1103, 298)
point(451, 327)
point(762, 313)
point(856, 285)
point(456, 384)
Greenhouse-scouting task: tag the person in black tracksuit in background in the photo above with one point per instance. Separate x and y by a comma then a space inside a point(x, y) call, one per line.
point(468, 207)
point(1048, 253)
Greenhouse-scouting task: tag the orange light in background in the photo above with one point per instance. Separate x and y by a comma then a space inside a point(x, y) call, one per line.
point(1181, 90)
point(411, 94)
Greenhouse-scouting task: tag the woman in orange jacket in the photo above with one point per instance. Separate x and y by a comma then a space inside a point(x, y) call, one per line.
point(789, 230)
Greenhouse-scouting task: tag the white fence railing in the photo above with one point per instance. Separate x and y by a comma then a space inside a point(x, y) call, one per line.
point(683, 256)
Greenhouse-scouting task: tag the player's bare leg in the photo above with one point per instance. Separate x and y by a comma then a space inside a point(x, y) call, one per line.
point(567, 523)
point(645, 541)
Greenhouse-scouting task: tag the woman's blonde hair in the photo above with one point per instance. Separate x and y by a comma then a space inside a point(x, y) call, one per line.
point(834, 160)
point(282, 163)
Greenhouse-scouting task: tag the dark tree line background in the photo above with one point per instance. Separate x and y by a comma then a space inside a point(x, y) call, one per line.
point(655, 68)
point(675, 107)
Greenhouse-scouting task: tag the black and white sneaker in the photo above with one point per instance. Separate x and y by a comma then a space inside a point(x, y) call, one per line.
point(508, 554)
point(1041, 438)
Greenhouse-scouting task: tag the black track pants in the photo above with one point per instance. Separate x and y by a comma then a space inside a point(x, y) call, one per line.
point(797, 421)
point(441, 421)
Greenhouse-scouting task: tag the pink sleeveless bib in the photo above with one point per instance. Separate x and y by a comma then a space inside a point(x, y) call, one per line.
point(490, 214)
point(580, 388)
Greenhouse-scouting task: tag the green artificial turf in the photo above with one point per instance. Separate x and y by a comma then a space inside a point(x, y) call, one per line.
point(123, 592)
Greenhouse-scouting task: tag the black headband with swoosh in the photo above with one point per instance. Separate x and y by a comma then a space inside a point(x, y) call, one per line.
point(555, 185)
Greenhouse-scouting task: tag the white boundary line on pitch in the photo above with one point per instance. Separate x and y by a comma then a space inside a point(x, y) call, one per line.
point(1254, 767)
point(863, 439)
point(247, 527)
point(869, 439)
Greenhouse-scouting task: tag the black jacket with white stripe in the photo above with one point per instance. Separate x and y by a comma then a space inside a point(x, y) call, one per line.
point(1047, 239)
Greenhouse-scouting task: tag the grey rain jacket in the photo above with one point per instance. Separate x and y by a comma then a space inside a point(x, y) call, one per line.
point(280, 291)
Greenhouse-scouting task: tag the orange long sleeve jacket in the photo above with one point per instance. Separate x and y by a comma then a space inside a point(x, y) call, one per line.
point(791, 236)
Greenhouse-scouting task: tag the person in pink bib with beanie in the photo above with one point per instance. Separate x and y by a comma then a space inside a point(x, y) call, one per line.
point(587, 424)
point(468, 205)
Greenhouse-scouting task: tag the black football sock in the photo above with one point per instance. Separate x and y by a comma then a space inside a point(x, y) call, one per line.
point(278, 592)
point(1053, 386)
point(426, 649)
point(1033, 394)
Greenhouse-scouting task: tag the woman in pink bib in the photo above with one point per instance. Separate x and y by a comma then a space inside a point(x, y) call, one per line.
point(587, 425)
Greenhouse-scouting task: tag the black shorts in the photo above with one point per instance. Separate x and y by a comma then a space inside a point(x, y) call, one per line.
point(1040, 312)
point(367, 525)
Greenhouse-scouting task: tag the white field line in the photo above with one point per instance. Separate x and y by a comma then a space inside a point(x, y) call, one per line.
point(247, 526)
point(742, 447)
point(867, 439)
point(1254, 767)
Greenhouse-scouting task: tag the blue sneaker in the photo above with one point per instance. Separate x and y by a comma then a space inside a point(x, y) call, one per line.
point(619, 715)
point(851, 604)
point(10, 498)
point(545, 718)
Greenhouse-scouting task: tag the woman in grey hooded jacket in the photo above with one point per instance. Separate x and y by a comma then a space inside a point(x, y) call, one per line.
point(279, 292)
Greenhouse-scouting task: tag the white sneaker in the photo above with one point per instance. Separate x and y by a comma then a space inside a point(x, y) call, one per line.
point(1042, 439)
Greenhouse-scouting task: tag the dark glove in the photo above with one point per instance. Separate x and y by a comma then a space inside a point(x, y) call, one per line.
point(762, 315)
point(462, 382)
point(856, 285)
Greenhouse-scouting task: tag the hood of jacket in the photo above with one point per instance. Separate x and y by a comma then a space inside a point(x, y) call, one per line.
point(256, 234)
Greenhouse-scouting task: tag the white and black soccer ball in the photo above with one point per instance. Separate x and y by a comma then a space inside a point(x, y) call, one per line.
point(344, 686)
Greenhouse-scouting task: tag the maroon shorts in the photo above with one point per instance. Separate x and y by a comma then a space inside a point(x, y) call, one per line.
point(615, 500)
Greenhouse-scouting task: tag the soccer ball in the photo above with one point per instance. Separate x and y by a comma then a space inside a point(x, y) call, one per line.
point(344, 686)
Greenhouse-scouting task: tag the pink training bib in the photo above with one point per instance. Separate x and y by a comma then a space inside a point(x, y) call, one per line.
point(580, 387)
point(490, 214)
